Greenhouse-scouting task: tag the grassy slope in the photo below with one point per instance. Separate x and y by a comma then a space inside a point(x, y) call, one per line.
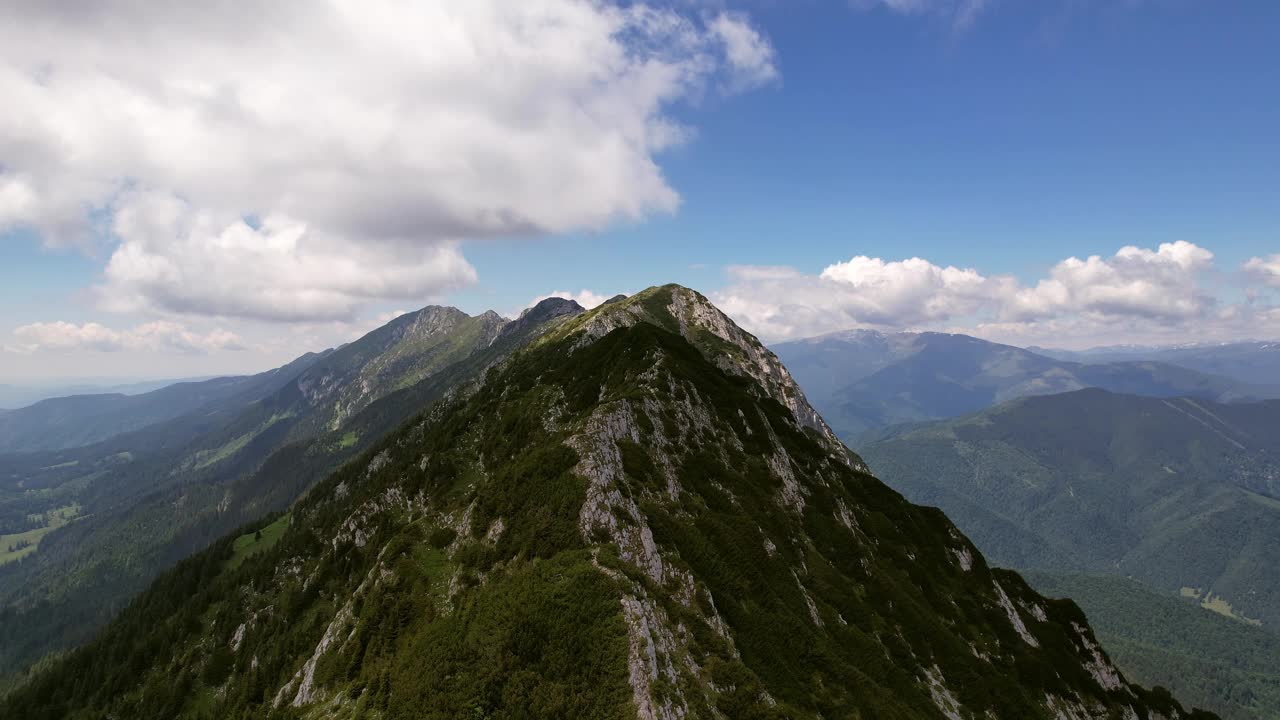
point(54, 518)
point(259, 540)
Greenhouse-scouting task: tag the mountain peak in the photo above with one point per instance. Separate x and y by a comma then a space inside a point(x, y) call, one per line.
point(549, 309)
point(552, 306)
point(691, 315)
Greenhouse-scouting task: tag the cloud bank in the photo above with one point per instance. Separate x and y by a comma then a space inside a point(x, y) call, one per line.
point(299, 163)
point(1156, 295)
point(1266, 270)
point(155, 336)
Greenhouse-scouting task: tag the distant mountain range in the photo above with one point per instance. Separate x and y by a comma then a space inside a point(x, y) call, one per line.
point(1256, 362)
point(864, 380)
point(78, 420)
point(20, 395)
point(1179, 494)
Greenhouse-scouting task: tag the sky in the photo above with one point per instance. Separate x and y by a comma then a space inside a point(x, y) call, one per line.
point(185, 192)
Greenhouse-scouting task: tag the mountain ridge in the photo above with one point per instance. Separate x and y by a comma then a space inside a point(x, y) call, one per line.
point(153, 497)
point(611, 522)
point(1253, 361)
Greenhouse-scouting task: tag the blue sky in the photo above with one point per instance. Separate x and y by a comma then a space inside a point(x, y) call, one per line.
point(998, 146)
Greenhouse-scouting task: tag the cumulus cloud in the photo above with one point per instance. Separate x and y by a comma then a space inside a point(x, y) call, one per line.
point(327, 153)
point(180, 260)
point(156, 336)
point(1266, 270)
point(780, 302)
point(585, 298)
point(747, 51)
point(1137, 292)
point(1159, 284)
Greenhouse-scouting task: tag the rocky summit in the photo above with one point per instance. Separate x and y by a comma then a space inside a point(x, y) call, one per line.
point(637, 515)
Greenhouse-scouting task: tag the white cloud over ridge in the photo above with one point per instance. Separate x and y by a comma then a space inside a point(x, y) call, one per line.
point(1136, 293)
point(369, 138)
point(586, 298)
point(155, 336)
point(779, 303)
point(184, 261)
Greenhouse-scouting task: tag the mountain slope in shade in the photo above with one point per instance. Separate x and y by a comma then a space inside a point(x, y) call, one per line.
point(637, 516)
point(863, 380)
point(1227, 666)
point(1173, 492)
point(150, 498)
point(1182, 495)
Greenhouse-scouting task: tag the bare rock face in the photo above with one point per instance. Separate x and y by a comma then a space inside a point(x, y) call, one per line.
point(731, 348)
point(402, 352)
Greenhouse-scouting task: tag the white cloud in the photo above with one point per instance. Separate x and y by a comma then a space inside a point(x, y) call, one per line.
point(585, 298)
point(1159, 284)
point(1225, 323)
point(1137, 292)
point(371, 138)
point(179, 260)
point(780, 302)
point(1266, 270)
point(910, 291)
point(154, 336)
point(960, 14)
point(747, 51)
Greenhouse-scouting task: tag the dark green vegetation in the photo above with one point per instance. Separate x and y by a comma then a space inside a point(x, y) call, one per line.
point(625, 519)
point(1177, 494)
point(1155, 638)
point(154, 496)
point(865, 380)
